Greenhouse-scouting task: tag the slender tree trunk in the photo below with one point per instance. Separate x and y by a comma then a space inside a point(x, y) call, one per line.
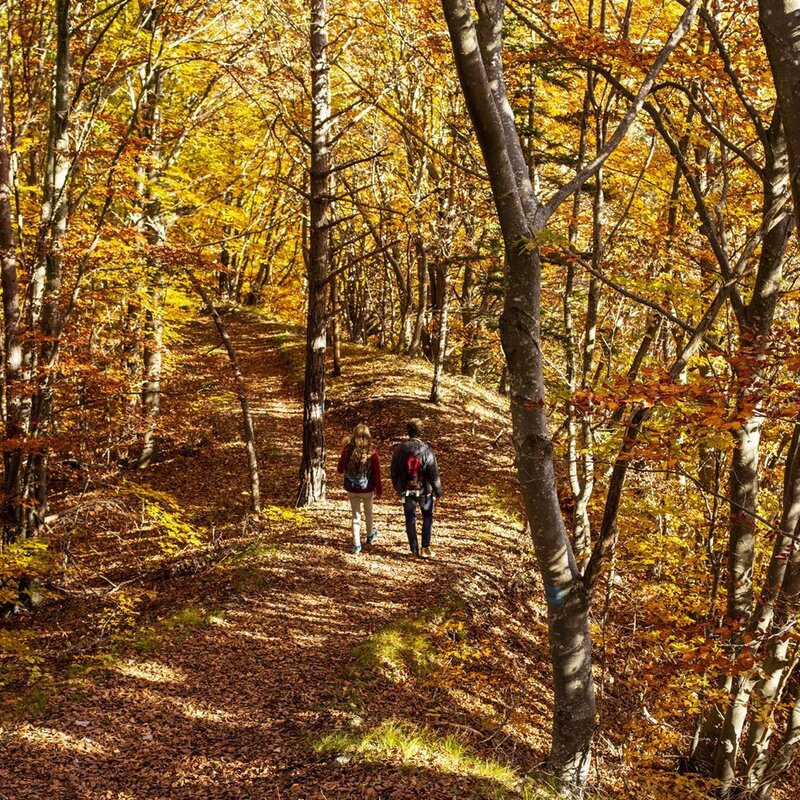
point(155, 235)
point(785, 754)
point(567, 602)
point(312, 469)
point(336, 339)
point(12, 348)
point(49, 268)
point(581, 526)
point(471, 325)
point(441, 336)
point(248, 431)
point(422, 296)
point(726, 721)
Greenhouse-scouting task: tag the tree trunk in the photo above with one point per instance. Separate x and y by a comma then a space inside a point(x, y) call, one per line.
point(336, 339)
point(780, 30)
point(241, 392)
point(49, 269)
point(470, 360)
point(441, 336)
point(12, 348)
point(726, 720)
point(422, 296)
point(154, 228)
point(478, 57)
point(567, 602)
point(312, 469)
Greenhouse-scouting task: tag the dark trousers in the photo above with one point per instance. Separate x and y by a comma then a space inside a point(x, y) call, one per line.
point(410, 508)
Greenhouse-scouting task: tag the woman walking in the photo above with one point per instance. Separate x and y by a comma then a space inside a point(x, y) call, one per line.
point(360, 465)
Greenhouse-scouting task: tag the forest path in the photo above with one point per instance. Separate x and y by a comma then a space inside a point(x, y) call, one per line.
point(236, 707)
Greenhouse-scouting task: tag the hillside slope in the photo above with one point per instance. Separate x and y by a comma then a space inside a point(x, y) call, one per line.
point(283, 665)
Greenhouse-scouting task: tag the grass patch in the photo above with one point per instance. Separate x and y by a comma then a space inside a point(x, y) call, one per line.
point(402, 649)
point(409, 646)
point(503, 507)
point(416, 746)
point(174, 627)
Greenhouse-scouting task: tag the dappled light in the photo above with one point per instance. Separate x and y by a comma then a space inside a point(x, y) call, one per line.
point(399, 400)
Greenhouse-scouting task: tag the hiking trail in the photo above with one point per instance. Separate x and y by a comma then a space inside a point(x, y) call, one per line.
point(309, 672)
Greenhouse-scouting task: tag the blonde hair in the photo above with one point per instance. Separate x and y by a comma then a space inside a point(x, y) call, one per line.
point(361, 444)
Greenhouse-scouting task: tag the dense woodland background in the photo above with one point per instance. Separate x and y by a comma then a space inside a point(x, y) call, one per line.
point(242, 165)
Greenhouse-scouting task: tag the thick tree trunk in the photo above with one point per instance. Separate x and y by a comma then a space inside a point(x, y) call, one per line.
point(575, 460)
point(312, 468)
point(780, 30)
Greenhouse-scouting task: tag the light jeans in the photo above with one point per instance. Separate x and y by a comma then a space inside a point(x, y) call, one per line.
point(357, 499)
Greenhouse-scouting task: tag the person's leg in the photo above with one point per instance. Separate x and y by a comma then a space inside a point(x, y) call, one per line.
point(367, 499)
point(426, 504)
point(410, 510)
point(355, 507)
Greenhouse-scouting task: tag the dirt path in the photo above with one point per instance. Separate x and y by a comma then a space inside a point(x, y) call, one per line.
point(234, 707)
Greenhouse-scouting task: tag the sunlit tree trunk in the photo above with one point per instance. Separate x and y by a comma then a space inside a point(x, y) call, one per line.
point(154, 228)
point(568, 605)
point(312, 468)
point(248, 431)
point(422, 296)
point(743, 492)
point(48, 269)
point(12, 348)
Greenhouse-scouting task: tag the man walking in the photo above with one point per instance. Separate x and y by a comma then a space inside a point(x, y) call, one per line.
point(415, 477)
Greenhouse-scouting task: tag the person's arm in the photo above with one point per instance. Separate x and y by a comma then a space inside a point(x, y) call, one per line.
point(432, 474)
point(376, 474)
point(396, 464)
point(342, 461)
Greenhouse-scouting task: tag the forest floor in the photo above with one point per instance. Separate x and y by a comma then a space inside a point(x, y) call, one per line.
point(281, 665)
point(189, 650)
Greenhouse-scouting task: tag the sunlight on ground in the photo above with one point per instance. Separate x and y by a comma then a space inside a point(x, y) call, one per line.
point(43, 737)
point(196, 711)
point(152, 671)
point(419, 746)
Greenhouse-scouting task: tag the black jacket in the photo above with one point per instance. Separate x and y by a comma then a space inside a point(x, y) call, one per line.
point(430, 470)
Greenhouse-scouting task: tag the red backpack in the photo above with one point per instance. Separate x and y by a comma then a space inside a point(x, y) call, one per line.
point(412, 481)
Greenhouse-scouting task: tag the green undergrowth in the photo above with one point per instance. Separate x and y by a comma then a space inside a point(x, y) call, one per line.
point(409, 647)
point(419, 747)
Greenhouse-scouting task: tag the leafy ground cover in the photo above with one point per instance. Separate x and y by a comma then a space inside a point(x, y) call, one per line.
point(186, 650)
